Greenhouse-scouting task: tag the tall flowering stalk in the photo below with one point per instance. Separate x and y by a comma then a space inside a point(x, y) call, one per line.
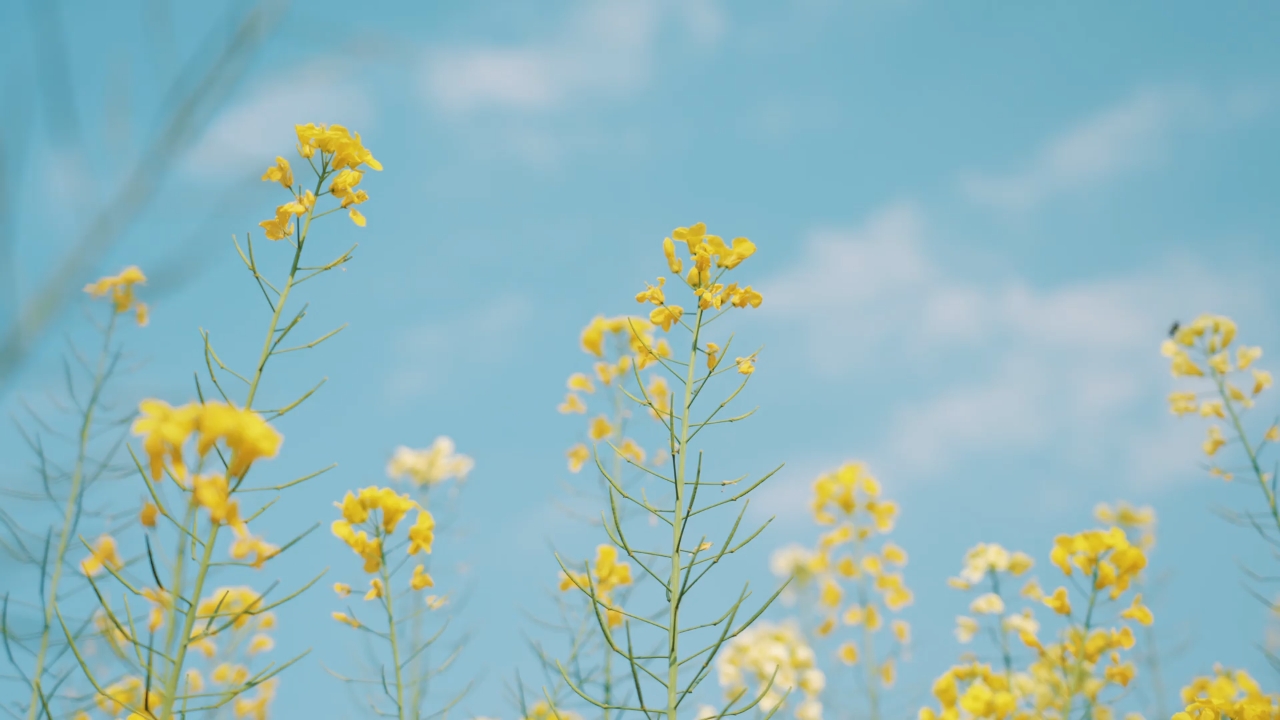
point(616, 345)
point(66, 486)
point(1083, 672)
point(370, 518)
point(1139, 525)
point(663, 680)
point(1202, 352)
point(188, 513)
point(854, 579)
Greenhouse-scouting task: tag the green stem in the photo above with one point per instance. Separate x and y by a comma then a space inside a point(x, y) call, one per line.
point(1220, 381)
point(673, 629)
point(68, 521)
point(1004, 632)
point(392, 634)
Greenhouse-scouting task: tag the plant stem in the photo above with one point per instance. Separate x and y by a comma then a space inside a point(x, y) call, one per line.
point(677, 524)
point(391, 633)
point(69, 520)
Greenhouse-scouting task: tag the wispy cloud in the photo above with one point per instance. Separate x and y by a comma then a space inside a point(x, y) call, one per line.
point(429, 356)
point(260, 126)
point(602, 49)
point(996, 367)
point(1128, 137)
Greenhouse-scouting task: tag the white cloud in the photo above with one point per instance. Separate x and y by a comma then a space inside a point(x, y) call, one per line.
point(603, 49)
point(996, 368)
point(1122, 139)
point(429, 355)
point(260, 126)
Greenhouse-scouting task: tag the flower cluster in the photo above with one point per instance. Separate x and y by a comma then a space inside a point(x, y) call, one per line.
point(1072, 671)
point(1203, 349)
point(622, 346)
point(342, 156)
point(605, 575)
point(1227, 694)
point(429, 466)
point(120, 288)
point(704, 251)
point(775, 662)
point(369, 519)
point(987, 564)
point(1140, 521)
point(165, 431)
point(853, 576)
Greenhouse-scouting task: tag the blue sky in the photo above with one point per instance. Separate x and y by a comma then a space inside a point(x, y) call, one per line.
point(975, 224)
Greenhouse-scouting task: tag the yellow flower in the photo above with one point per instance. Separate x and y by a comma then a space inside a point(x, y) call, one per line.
point(1212, 408)
point(103, 554)
point(848, 653)
point(600, 428)
point(673, 262)
point(894, 554)
point(1214, 441)
point(435, 602)
point(147, 516)
point(572, 404)
point(376, 589)
point(901, 631)
point(421, 579)
point(652, 294)
point(431, 465)
point(713, 355)
point(280, 172)
point(887, 672)
point(1246, 356)
point(1272, 434)
point(280, 226)
point(632, 451)
point(260, 644)
point(581, 383)
point(578, 456)
point(164, 430)
point(246, 433)
point(342, 589)
point(746, 365)
point(120, 287)
point(665, 316)
point(345, 618)
point(1221, 362)
point(1261, 380)
point(423, 533)
point(1058, 602)
point(744, 297)
point(830, 594)
point(1138, 612)
point(212, 493)
point(987, 604)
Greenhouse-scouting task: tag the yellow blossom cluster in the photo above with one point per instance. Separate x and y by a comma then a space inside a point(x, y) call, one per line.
point(1203, 349)
point(342, 156)
point(622, 346)
point(1105, 555)
point(1230, 694)
point(987, 565)
point(856, 572)
point(120, 288)
point(131, 693)
point(606, 575)
point(369, 518)
point(165, 431)
point(705, 251)
point(1130, 519)
point(1076, 669)
point(429, 466)
point(776, 663)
